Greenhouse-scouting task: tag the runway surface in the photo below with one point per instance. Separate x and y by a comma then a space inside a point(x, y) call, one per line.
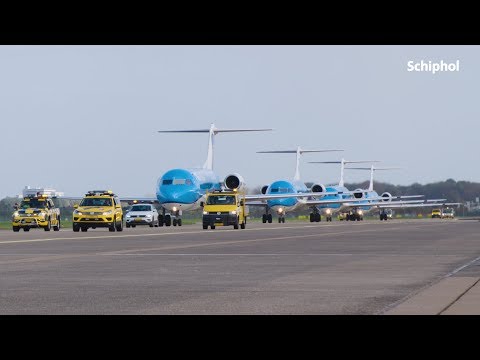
point(292, 268)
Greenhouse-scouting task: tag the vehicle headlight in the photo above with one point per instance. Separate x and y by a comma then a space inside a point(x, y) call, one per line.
point(205, 213)
point(234, 212)
point(15, 214)
point(128, 215)
point(360, 212)
point(148, 215)
point(108, 212)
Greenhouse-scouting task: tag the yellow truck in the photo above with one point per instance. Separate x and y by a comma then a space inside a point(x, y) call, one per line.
point(36, 211)
point(224, 208)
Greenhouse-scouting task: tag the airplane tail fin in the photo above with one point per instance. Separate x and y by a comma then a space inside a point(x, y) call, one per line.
point(299, 151)
point(343, 162)
point(212, 132)
point(372, 170)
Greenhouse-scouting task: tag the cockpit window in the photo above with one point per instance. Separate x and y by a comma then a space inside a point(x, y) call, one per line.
point(280, 190)
point(167, 182)
point(177, 182)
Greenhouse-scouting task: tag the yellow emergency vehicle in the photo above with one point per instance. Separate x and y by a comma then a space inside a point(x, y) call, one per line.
point(36, 211)
point(224, 208)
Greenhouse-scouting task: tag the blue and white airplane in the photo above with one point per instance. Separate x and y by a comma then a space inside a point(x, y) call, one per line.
point(368, 200)
point(360, 208)
point(296, 186)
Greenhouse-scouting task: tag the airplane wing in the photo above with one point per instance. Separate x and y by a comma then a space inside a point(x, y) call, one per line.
point(417, 205)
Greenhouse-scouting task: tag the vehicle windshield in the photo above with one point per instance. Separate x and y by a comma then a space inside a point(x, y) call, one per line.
point(436, 210)
point(33, 204)
point(96, 202)
point(141, 208)
point(448, 210)
point(221, 200)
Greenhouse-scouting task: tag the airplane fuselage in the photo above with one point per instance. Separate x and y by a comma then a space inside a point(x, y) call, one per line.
point(184, 189)
point(285, 187)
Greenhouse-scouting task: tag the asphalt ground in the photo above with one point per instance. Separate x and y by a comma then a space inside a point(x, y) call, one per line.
point(293, 268)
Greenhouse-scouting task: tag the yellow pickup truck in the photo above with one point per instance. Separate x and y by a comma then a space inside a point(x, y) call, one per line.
point(224, 208)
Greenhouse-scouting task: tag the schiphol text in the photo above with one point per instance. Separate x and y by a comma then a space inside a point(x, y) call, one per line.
point(433, 67)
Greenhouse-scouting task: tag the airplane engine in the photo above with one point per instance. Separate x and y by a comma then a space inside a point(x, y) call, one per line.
point(318, 188)
point(234, 181)
point(386, 196)
point(264, 189)
point(358, 194)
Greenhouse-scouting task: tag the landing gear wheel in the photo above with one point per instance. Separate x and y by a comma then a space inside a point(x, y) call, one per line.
point(49, 226)
point(160, 220)
point(283, 220)
point(264, 218)
point(269, 218)
point(174, 222)
point(279, 220)
point(317, 217)
point(312, 217)
point(76, 228)
point(179, 222)
point(168, 220)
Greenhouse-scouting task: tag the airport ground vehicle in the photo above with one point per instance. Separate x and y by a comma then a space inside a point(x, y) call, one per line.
point(448, 213)
point(36, 211)
point(141, 214)
point(436, 213)
point(99, 208)
point(224, 208)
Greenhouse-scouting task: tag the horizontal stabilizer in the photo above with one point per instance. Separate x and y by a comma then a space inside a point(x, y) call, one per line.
point(295, 151)
point(215, 131)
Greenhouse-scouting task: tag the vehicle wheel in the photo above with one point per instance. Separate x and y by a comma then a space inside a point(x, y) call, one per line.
point(26, 229)
point(205, 227)
point(174, 222)
point(212, 227)
point(76, 228)
point(242, 226)
point(179, 222)
point(264, 218)
point(120, 227)
point(127, 225)
point(15, 228)
point(49, 226)
point(57, 227)
point(168, 220)
point(235, 226)
point(84, 229)
point(111, 228)
point(152, 223)
point(283, 220)
point(134, 226)
point(269, 218)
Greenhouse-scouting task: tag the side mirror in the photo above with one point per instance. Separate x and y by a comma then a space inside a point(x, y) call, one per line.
point(118, 206)
point(15, 207)
point(241, 202)
point(202, 204)
point(75, 206)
